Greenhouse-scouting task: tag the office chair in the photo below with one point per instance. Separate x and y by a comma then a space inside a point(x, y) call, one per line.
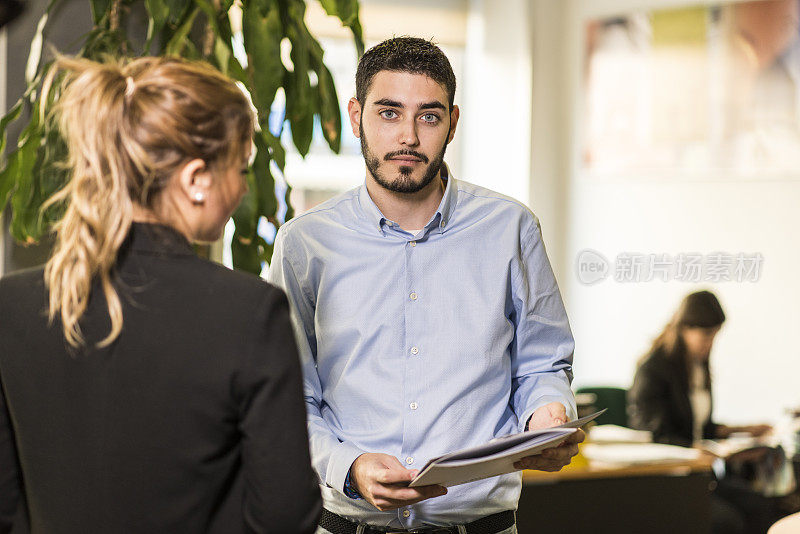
point(612, 398)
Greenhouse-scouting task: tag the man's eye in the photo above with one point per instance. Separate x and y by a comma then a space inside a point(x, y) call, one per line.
point(388, 114)
point(430, 117)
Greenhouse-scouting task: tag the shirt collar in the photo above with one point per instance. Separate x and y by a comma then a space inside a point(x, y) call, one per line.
point(441, 217)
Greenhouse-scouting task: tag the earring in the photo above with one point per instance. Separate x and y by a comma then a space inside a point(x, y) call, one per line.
point(199, 197)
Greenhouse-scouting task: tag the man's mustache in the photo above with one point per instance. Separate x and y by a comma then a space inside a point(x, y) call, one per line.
point(406, 152)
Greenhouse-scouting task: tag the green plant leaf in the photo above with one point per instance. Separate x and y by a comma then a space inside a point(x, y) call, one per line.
point(235, 69)
point(158, 13)
point(265, 183)
point(245, 255)
point(211, 14)
point(8, 177)
point(50, 174)
point(24, 210)
point(9, 171)
point(262, 28)
point(347, 11)
point(330, 114)
point(246, 215)
point(37, 43)
point(100, 9)
point(264, 250)
point(33, 171)
point(179, 39)
point(177, 11)
point(12, 115)
point(300, 108)
point(276, 150)
point(289, 208)
point(222, 55)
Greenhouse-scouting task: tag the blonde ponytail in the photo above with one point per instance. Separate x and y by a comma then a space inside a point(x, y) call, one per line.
point(128, 127)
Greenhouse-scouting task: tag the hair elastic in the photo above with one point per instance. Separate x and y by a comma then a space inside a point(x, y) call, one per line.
point(130, 87)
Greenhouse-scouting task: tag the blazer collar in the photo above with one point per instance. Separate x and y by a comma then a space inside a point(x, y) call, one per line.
point(158, 239)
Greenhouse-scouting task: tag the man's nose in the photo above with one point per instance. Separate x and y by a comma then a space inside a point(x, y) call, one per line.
point(408, 132)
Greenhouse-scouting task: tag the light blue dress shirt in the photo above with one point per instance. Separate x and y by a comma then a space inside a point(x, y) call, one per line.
point(416, 346)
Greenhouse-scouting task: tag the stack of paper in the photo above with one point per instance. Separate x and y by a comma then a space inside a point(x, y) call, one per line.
point(494, 458)
point(637, 453)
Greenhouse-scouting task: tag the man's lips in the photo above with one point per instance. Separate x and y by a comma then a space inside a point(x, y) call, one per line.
point(405, 159)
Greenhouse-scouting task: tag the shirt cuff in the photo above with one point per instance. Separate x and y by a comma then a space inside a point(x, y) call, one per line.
point(339, 465)
point(541, 401)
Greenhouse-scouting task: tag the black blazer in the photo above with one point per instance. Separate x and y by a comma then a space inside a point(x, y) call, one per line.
point(659, 401)
point(191, 421)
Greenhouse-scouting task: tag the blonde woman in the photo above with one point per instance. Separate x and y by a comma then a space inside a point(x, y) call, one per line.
point(144, 389)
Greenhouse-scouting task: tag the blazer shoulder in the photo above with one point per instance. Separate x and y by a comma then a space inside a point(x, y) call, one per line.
point(22, 286)
point(236, 282)
point(22, 278)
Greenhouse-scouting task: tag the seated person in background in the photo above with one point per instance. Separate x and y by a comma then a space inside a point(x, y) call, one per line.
point(163, 394)
point(671, 397)
point(671, 392)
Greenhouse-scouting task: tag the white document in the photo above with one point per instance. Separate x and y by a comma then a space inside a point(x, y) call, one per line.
point(494, 458)
point(620, 454)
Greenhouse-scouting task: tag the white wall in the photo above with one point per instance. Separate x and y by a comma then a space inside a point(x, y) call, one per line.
point(495, 126)
point(755, 359)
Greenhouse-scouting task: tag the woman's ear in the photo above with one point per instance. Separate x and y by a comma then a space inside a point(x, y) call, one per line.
point(194, 181)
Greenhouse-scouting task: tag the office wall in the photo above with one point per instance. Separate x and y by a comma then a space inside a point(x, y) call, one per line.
point(755, 360)
point(495, 127)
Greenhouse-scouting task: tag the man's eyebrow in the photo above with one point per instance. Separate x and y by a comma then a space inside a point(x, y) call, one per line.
point(433, 105)
point(387, 102)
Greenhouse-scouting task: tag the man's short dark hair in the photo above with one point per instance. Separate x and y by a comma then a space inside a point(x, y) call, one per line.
point(405, 54)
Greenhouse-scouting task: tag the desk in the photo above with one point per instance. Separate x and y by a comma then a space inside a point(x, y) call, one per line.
point(652, 499)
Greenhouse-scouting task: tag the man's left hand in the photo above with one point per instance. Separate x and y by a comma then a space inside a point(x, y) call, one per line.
point(555, 458)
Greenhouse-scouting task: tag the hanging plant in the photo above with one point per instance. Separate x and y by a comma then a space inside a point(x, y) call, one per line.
point(194, 29)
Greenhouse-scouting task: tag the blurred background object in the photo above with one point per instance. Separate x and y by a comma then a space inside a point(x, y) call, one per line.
point(9, 10)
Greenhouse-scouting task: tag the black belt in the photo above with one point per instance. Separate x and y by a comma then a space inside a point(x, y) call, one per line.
point(491, 524)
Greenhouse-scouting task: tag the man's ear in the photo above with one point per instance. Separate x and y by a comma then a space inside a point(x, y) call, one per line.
point(194, 181)
point(454, 114)
point(354, 111)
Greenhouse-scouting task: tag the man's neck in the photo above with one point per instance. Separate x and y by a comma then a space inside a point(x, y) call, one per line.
point(411, 211)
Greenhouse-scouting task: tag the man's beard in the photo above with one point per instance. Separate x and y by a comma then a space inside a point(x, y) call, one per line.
point(404, 183)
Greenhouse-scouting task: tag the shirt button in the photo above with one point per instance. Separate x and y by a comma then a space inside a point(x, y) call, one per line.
point(413, 296)
point(409, 460)
point(413, 244)
point(406, 513)
point(413, 405)
point(414, 350)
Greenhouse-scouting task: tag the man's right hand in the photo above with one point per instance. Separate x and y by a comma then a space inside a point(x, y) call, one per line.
point(383, 481)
